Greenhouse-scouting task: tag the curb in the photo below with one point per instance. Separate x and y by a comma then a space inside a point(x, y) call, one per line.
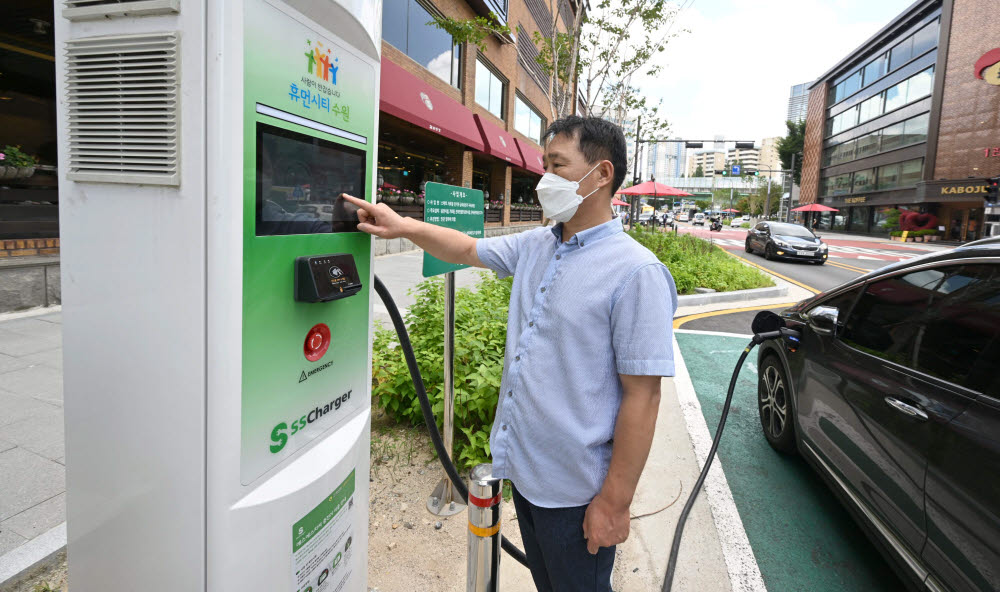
point(31, 557)
point(777, 291)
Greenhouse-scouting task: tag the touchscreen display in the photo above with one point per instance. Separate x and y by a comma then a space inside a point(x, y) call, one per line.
point(299, 182)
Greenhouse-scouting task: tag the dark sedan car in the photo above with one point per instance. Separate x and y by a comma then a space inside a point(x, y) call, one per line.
point(892, 394)
point(780, 240)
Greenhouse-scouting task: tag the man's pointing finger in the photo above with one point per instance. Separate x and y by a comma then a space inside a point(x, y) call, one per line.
point(364, 205)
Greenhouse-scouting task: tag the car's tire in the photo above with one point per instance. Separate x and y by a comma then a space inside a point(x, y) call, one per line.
point(747, 247)
point(769, 252)
point(774, 405)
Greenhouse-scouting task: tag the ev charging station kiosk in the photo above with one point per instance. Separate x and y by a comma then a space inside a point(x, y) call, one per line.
point(216, 294)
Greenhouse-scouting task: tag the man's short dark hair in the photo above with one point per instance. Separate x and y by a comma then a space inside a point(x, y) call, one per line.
point(598, 139)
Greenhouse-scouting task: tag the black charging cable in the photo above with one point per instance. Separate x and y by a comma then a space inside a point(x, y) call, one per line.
point(766, 325)
point(425, 406)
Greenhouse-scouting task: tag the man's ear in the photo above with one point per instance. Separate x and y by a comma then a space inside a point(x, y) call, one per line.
point(606, 173)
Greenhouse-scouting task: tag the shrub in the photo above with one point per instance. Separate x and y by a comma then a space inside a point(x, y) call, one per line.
point(481, 333)
point(697, 263)
point(745, 225)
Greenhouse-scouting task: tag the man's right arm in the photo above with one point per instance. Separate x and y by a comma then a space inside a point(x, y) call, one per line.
point(445, 244)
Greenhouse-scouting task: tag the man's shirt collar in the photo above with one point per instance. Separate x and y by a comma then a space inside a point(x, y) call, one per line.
point(591, 235)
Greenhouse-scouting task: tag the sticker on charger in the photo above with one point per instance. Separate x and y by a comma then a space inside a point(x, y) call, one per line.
point(322, 542)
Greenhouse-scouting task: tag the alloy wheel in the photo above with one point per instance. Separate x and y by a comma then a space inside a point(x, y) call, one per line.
point(773, 402)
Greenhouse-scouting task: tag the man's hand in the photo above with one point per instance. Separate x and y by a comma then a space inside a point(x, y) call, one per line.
point(378, 219)
point(605, 523)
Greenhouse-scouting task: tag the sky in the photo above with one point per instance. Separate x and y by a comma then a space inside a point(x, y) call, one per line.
point(731, 74)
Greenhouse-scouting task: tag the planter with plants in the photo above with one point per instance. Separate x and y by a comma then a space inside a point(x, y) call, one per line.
point(15, 163)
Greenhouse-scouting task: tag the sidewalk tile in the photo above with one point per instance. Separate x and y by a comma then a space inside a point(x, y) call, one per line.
point(38, 480)
point(38, 519)
point(52, 317)
point(9, 540)
point(52, 358)
point(5, 445)
point(9, 363)
point(14, 408)
point(32, 327)
point(34, 381)
point(16, 344)
point(43, 434)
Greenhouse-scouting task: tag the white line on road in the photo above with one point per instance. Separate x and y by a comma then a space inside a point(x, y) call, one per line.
point(744, 574)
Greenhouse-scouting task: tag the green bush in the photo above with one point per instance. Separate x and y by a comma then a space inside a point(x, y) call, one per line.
point(481, 334)
point(697, 263)
point(745, 225)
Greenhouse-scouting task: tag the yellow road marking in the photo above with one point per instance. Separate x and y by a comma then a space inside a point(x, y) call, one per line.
point(774, 273)
point(847, 267)
point(714, 313)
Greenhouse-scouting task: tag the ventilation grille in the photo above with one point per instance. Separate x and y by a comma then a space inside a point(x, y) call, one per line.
point(122, 101)
point(80, 10)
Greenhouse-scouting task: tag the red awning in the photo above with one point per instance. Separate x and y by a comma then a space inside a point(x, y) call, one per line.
point(532, 158)
point(405, 96)
point(498, 142)
point(617, 202)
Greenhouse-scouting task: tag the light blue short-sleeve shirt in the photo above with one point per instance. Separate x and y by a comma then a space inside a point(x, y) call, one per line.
point(581, 313)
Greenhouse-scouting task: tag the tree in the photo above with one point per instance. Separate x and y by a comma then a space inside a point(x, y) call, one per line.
point(759, 198)
point(703, 204)
point(699, 172)
point(791, 144)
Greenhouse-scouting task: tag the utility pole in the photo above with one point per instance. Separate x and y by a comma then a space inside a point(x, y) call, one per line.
point(635, 173)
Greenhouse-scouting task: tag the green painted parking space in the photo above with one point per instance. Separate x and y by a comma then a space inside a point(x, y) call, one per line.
point(801, 535)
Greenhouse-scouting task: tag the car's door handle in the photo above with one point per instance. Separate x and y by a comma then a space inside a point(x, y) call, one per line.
point(910, 410)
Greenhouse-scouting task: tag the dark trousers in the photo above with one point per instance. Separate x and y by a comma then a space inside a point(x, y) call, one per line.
point(557, 552)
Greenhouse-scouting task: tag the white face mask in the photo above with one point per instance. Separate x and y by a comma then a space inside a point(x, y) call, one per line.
point(558, 196)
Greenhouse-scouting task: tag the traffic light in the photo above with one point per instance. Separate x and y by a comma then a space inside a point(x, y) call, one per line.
point(993, 190)
point(754, 173)
point(693, 144)
point(744, 145)
point(720, 172)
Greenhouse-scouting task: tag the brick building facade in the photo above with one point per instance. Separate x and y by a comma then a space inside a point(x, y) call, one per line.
point(414, 150)
point(907, 122)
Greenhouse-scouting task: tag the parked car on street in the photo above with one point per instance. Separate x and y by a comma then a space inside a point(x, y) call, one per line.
point(786, 241)
point(892, 395)
point(736, 222)
point(699, 219)
point(682, 217)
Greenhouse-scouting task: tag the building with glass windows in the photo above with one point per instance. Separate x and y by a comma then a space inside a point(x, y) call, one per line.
point(457, 114)
point(798, 102)
point(904, 122)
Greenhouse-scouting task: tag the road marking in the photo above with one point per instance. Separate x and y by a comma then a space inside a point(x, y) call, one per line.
point(848, 267)
point(774, 273)
point(744, 573)
point(717, 333)
point(702, 315)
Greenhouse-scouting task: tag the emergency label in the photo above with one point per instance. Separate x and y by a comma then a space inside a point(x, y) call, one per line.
point(321, 543)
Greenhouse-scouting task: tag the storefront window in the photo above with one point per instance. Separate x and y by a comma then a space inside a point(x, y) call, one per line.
point(824, 220)
point(842, 184)
point(527, 120)
point(490, 89)
point(879, 217)
point(404, 26)
point(864, 180)
point(839, 220)
point(403, 173)
point(859, 219)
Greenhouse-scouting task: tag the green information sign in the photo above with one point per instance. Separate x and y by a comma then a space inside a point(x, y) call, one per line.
point(454, 207)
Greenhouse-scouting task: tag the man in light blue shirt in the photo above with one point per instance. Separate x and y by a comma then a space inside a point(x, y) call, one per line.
point(588, 340)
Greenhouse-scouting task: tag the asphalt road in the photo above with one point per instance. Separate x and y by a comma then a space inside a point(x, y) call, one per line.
point(846, 262)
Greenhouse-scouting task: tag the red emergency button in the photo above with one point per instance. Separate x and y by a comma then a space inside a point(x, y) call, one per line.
point(317, 342)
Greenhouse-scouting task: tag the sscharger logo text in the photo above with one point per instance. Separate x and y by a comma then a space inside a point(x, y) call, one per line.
point(280, 434)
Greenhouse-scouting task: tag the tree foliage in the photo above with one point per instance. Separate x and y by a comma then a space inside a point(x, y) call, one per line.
point(698, 171)
point(791, 144)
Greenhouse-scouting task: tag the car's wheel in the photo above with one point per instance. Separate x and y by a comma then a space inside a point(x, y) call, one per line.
point(774, 405)
point(748, 248)
point(769, 252)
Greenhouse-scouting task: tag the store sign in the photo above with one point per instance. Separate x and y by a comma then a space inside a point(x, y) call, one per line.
point(962, 189)
point(987, 67)
point(853, 200)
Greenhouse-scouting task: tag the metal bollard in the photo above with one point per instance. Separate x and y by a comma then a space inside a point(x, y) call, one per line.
point(485, 497)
